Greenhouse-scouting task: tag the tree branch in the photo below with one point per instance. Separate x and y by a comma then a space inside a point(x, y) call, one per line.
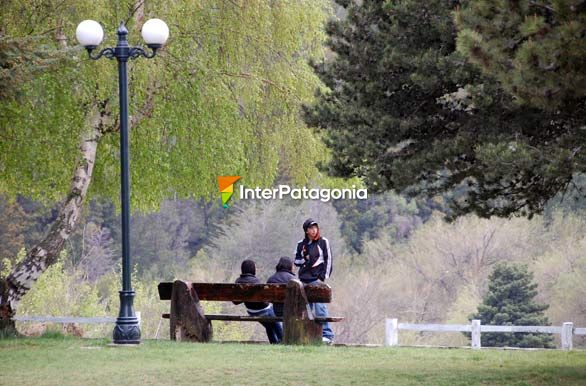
point(547, 8)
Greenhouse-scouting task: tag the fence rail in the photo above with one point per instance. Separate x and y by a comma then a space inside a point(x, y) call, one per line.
point(69, 319)
point(65, 319)
point(567, 331)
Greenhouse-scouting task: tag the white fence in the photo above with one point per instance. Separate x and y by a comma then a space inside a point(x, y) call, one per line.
point(69, 319)
point(567, 331)
point(65, 319)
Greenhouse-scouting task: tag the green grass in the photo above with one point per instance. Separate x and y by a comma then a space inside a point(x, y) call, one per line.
point(57, 360)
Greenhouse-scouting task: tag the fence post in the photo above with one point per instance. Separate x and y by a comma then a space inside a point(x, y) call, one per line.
point(567, 333)
point(391, 332)
point(476, 334)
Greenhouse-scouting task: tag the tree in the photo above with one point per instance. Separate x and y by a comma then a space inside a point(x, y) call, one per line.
point(23, 58)
point(12, 227)
point(405, 110)
point(383, 213)
point(510, 302)
point(535, 50)
point(222, 98)
point(162, 241)
point(264, 231)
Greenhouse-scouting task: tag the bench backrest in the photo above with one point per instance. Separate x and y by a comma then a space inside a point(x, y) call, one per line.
point(273, 293)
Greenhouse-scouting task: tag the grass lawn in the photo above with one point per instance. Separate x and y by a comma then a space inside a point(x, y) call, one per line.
point(71, 361)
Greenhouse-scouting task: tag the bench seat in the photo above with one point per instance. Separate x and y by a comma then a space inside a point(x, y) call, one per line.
point(188, 320)
point(248, 318)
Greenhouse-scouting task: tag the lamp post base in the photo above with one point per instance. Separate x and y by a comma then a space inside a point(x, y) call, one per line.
point(127, 330)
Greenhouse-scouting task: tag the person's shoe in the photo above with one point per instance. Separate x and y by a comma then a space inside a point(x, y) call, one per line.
point(327, 341)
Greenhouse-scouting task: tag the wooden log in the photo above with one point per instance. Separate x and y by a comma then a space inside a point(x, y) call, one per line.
point(187, 319)
point(298, 324)
point(248, 292)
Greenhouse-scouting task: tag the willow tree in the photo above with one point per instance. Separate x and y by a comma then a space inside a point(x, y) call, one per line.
point(222, 98)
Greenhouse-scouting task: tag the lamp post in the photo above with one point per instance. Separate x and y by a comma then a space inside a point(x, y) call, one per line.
point(155, 32)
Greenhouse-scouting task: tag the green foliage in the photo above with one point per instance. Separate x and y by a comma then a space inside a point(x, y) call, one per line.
point(535, 50)
point(163, 242)
point(406, 111)
point(8, 263)
point(225, 96)
point(12, 229)
point(62, 293)
point(21, 59)
point(510, 301)
point(53, 334)
point(369, 219)
point(230, 331)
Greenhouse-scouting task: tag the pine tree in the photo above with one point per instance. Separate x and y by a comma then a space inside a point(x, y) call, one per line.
point(535, 49)
point(406, 110)
point(510, 302)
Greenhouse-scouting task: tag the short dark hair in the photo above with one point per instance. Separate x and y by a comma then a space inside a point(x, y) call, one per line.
point(248, 266)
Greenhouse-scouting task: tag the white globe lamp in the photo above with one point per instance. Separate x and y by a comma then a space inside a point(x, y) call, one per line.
point(89, 33)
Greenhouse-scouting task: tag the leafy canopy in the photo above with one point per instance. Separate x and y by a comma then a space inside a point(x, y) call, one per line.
point(535, 50)
point(222, 98)
point(406, 110)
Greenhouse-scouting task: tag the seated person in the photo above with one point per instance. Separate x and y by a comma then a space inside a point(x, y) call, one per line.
point(284, 273)
point(274, 329)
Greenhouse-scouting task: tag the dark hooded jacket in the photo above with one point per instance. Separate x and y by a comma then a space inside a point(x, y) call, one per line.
point(283, 275)
point(248, 278)
point(313, 257)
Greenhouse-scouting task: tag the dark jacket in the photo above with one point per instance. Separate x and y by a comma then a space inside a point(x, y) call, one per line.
point(248, 278)
point(314, 259)
point(281, 276)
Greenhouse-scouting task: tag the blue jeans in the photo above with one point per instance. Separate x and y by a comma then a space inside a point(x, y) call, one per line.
point(274, 329)
point(320, 309)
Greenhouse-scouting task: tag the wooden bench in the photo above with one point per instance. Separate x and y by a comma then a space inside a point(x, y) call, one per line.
point(188, 320)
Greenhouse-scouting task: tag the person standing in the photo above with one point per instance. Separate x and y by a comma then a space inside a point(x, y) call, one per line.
point(274, 329)
point(284, 273)
point(313, 256)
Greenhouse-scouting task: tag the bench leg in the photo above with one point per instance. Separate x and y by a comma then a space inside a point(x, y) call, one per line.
point(298, 324)
point(187, 319)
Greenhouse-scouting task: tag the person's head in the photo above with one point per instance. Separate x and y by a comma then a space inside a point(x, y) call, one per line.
point(311, 229)
point(284, 264)
point(249, 267)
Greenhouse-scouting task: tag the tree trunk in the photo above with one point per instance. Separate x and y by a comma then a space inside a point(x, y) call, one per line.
point(45, 253)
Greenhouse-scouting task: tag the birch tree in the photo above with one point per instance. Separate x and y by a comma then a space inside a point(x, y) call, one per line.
point(221, 99)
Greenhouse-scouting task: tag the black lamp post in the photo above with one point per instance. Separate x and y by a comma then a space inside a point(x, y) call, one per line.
point(155, 32)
